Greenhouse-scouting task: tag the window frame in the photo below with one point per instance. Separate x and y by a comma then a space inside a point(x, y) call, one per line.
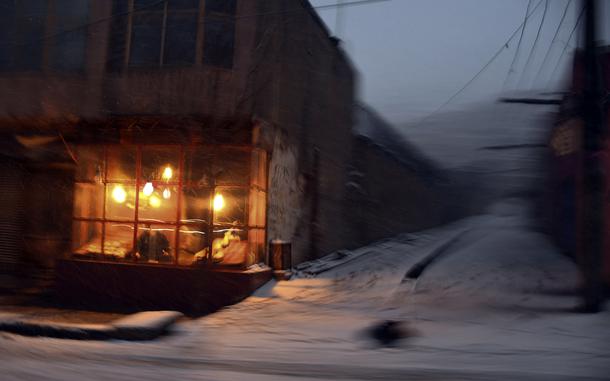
point(213, 227)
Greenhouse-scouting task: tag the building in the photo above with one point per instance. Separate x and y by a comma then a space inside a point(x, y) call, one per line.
point(153, 148)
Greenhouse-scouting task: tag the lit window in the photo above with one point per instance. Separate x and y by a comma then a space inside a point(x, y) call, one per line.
point(170, 204)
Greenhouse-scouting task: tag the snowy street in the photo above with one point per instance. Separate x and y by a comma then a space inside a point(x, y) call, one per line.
point(493, 306)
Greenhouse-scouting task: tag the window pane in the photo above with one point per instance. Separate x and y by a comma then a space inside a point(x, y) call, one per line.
point(118, 35)
point(148, 5)
point(118, 240)
point(71, 34)
point(180, 38)
point(158, 203)
point(193, 245)
point(121, 163)
point(31, 24)
point(198, 166)
point(183, 4)
point(195, 206)
point(155, 243)
point(90, 163)
point(160, 164)
point(86, 237)
point(230, 246)
point(120, 202)
point(219, 39)
point(146, 39)
point(230, 206)
point(8, 34)
point(220, 6)
point(88, 200)
point(232, 166)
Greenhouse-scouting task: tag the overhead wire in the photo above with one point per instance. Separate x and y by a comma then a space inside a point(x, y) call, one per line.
point(534, 45)
point(548, 52)
point(565, 48)
point(515, 57)
point(491, 60)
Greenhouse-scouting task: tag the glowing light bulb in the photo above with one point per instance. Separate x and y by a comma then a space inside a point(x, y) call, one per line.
point(118, 194)
point(219, 202)
point(167, 173)
point(167, 194)
point(154, 201)
point(148, 189)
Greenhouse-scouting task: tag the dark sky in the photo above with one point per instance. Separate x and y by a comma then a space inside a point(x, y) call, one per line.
point(414, 54)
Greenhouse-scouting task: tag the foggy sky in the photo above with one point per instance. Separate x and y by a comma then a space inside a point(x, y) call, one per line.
point(412, 55)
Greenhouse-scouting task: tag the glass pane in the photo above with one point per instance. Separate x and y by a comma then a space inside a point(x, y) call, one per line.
point(8, 34)
point(160, 164)
point(198, 166)
point(220, 6)
point(121, 163)
point(180, 38)
point(118, 240)
point(193, 245)
point(146, 39)
point(158, 203)
point(31, 23)
point(183, 4)
point(155, 243)
point(90, 163)
point(232, 166)
point(195, 205)
point(118, 33)
point(88, 200)
point(86, 238)
point(120, 202)
point(71, 34)
point(230, 246)
point(148, 5)
point(219, 38)
point(230, 206)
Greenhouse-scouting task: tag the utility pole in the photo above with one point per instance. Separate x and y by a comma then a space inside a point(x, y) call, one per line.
point(592, 237)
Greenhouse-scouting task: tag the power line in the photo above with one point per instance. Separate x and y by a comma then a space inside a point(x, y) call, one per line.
point(565, 48)
point(512, 64)
point(504, 46)
point(546, 56)
point(533, 49)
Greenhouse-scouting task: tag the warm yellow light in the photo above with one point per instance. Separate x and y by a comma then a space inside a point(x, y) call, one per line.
point(167, 173)
point(148, 189)
point(219, 202)
point(167, 194)
point(154, 201)
point(118, 194)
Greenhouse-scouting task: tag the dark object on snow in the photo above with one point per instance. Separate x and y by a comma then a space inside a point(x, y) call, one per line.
point(390, 331)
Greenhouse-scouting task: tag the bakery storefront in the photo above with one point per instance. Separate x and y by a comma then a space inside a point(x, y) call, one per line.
point(177, 225)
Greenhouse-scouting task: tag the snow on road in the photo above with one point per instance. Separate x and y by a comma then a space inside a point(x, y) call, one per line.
point(493, 306)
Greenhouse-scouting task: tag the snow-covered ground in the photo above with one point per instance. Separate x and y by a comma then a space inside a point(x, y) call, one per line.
point(493, 306)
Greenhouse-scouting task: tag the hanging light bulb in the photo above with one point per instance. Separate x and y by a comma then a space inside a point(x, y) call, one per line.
point(154, 201)
point(219, 202)
point(167, 193)
point(118, 194)
point(167, 173)
point(148, 189)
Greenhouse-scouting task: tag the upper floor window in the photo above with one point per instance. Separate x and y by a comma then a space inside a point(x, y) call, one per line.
point(21, 34)
point(153, 33)
point(163, 32)
point(71, 18)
